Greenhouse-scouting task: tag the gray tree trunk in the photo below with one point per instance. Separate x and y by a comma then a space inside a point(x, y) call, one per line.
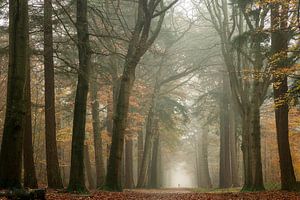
point(233, 148)
point(88, 168)
point(100, 170)
point(153, 172)
point(77, 180)
point(204, 175)
point(129, 182)
point(139, 43)
point(140, 150)
point(150, 132)
point(225, 167)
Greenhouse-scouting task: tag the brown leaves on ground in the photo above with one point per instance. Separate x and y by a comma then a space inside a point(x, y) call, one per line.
point(161, 195)
point(173, 194)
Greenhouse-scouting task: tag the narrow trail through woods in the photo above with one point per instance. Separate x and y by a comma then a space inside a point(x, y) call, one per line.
point(163, 191)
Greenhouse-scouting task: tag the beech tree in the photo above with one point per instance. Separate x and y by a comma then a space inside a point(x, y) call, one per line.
point(99, 162)
point(77, 178)
point(30, 179)
point(139, 43)
point(279, 61)
point(53, 171)
point(249, 85)
point(11, 148)
point(225, 166)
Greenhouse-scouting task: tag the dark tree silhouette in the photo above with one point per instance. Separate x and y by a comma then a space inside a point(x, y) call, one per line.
point(11, 148)
point(77, 178)
point(53, 172)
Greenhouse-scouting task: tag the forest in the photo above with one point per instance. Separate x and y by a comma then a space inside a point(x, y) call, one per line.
point(150, 99)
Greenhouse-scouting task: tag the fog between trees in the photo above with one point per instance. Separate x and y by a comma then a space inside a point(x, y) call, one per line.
point(149, 94)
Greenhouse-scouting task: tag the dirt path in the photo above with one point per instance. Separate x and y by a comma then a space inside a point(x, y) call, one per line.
point(176, 194)
point(162, 191)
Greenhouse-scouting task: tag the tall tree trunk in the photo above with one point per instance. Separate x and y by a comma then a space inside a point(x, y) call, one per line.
point(257, 184)
point(160, 173)
point(233, 148)
point(152, 123)
point(88, 168)
point(30, 180)
point(140, 150)
point(142, 177)
point(280, 86)
point(205, 181)
point(77, 180)
point(64, 168)
point(113, 181)
point(122, 172)
point(225, 169)
point(109, 119)
point(111, 106)
point(251, 147)
point(197, 164)
point(11, 148)
point(255, 133)
point(153, 173)
point(100, 171)
point(139, 43)
point(53, 172)
point(129, 182)
point(246, 152)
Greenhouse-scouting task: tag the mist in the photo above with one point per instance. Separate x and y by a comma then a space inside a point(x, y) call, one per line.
point(149, 96)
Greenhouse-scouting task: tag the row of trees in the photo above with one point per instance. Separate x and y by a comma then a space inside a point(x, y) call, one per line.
point(259, 46)
point(133, 43)
point(137, 78)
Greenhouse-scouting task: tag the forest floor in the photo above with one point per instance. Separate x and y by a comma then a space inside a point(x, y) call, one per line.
point(179, 194)
point(176, 194)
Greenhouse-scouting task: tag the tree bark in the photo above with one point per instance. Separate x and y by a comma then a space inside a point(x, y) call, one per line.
point(11, 148)
point(153, 173)
point(225, 168)
point(113, 181)
point(248, 94)
point(160, 167)
point(246, 152)
point(150, 132)
point(53, 172)
point(140, 150)
point(197, 164)
point(204, 175)
point(88, 168)
point(100, 171)
point(139, 43)
point(233, 148)
point(30, 180)
point(122, 172)
point(129, 182)
point(255, 133)
point(279, 46)
point(111, 106)
point(257, 184)
point(77, 180)
point(251, 147)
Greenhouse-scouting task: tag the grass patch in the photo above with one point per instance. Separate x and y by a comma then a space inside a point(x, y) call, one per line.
point(272, 186)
